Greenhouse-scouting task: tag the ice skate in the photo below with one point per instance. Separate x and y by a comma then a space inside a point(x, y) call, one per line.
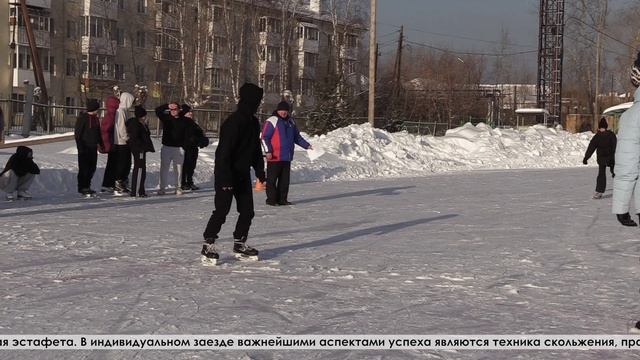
point(625, 219)
point(209, 255)
point(243, 252)
point(24, 195)
point(597, 195)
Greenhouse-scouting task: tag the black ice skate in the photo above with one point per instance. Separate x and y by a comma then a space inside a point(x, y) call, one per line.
point(625, 219)
point(244, 252)
point(121, 188)
point(209, 255)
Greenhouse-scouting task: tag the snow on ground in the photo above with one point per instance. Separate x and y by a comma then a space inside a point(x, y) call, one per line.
point(468, 252)
point(361, 152)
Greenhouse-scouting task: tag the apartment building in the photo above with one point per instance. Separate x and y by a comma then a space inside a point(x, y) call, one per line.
point(196, 52)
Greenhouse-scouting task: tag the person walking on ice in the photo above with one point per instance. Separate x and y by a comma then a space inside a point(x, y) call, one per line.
point(238, 151)
point(604, 141)
point(627, 158)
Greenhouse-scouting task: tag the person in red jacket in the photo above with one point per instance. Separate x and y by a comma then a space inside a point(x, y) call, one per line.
point(279, 136)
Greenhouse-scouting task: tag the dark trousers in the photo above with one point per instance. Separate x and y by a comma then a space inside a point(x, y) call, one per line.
point(123, 162)
point(243, 193)
point(601, 182)
point(87, 160)
point(139, 173)
point(189, 165)
point(278, 177)
point(109, 177)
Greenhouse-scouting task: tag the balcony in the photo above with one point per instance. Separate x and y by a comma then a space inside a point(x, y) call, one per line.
point(98, 45)
point(269, 67)
point(270, 39)
point(19, 75)
point(349, 53)
point(43, 38)
point(46, 4)
point(164, 54)
point(105, 9)
point(308, 45)
point(166, 21)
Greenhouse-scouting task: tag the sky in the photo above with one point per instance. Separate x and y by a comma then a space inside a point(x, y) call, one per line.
point(464, 25)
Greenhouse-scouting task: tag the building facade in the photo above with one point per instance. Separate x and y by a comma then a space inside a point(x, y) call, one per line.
point(198, 52)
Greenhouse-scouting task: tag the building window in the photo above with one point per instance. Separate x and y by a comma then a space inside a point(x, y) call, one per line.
point(351, 41)
point(72, 67)
point(120, 37)
point(72, 30)
point(119, 71)
point(310, 60)
point(141, 39)
point(17, 108)
point(219, 45)
point(218, 14)
point(121, 4)
point(98, 66)
point(349, 67)
point(307, 87)
point(270, 25)
point(70, 101)
point(270, 53)
point(270, 83)
point(142, 6)
point(140, 73)
point(308, 33)
point(219, 78)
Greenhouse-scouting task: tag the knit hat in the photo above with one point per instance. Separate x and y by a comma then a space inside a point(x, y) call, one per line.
point(603, 124)
point(635, 72)
point(185, 109)
point(283, 105)
point(140, 112)
point(92, 105)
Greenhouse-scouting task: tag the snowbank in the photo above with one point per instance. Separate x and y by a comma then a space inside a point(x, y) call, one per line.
point(359, 152)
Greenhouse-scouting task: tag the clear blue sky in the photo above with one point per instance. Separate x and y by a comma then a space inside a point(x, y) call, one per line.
point(460, 19)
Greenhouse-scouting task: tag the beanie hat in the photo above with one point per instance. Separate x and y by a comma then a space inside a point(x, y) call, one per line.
point(185, 109)
point(283, 105)
point(603, 124)
point(92, 105)
point(140, 112)
point(635, 72)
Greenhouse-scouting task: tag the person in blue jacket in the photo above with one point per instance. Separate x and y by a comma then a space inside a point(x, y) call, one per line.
point(279, 136)
point(625, 184)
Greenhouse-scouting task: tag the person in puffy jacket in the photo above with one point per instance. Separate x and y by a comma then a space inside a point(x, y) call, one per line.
point(279, 137)
point(88, 139)
point(604, 141)
point(625, 184)
point(19, 173)
point(140, 144)
point(106, 131)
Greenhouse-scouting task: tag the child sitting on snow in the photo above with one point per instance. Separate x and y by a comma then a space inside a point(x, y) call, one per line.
point(19, 173)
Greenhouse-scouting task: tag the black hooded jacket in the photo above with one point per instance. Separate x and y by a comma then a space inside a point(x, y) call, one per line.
point(239, 145)
point(173, 129)
point(139, 136)
point(605, 144)
point(21, 162)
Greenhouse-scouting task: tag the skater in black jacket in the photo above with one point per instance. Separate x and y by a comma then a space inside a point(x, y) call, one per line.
point(88, 138)
point(140, 144)
point(604, 141)
point(194, 139)
point(238, 151)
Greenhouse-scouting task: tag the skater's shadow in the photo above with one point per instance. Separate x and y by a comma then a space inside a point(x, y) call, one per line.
point(380, 192)
point(121, 202)
point(376, 230)
point(608, 196)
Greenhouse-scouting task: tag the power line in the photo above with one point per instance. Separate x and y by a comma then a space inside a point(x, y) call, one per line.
point(457, 36)
point(602, 32)
point(471, 53)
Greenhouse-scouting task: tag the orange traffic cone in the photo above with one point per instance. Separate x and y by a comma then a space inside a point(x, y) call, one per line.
point(260, 186)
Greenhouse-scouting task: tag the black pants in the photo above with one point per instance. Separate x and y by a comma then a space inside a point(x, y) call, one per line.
point(123, 162)
point(601, 182)
point(278, 177)
point(139, 173)
point(87, 160)
point(109, 177)
point(189, 165)
point(243, 193)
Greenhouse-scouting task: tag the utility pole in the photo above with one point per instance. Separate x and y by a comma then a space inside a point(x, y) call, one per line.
point(35, 57)
point(601, 25)
point(398, 67)
point(372, 65)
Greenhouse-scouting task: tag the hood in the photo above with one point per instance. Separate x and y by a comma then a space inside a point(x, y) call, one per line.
point(112, 103)
point(250, 98)
point(24, 152)
point(126, 100)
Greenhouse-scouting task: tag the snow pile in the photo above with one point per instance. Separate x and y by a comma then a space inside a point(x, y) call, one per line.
point(359, 152)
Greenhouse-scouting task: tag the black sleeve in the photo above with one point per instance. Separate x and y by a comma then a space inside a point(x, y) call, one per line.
point(614, 140)
point(258, 160)
point(593, 145)
point(79, 128)
point(224, 153)
point(160, 112)
point(132, 131)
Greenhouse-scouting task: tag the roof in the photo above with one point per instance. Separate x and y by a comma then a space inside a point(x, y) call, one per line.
point(618, 109)
point(532, 111)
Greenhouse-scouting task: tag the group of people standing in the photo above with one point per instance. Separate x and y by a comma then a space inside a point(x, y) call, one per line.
point(123, 139)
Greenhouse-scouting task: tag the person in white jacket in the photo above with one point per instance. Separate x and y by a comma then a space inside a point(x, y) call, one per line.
point(626, 184)
point(121, 148)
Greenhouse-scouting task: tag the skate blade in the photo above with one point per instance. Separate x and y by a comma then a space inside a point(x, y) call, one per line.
point(242, 257)
point(208, 261)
